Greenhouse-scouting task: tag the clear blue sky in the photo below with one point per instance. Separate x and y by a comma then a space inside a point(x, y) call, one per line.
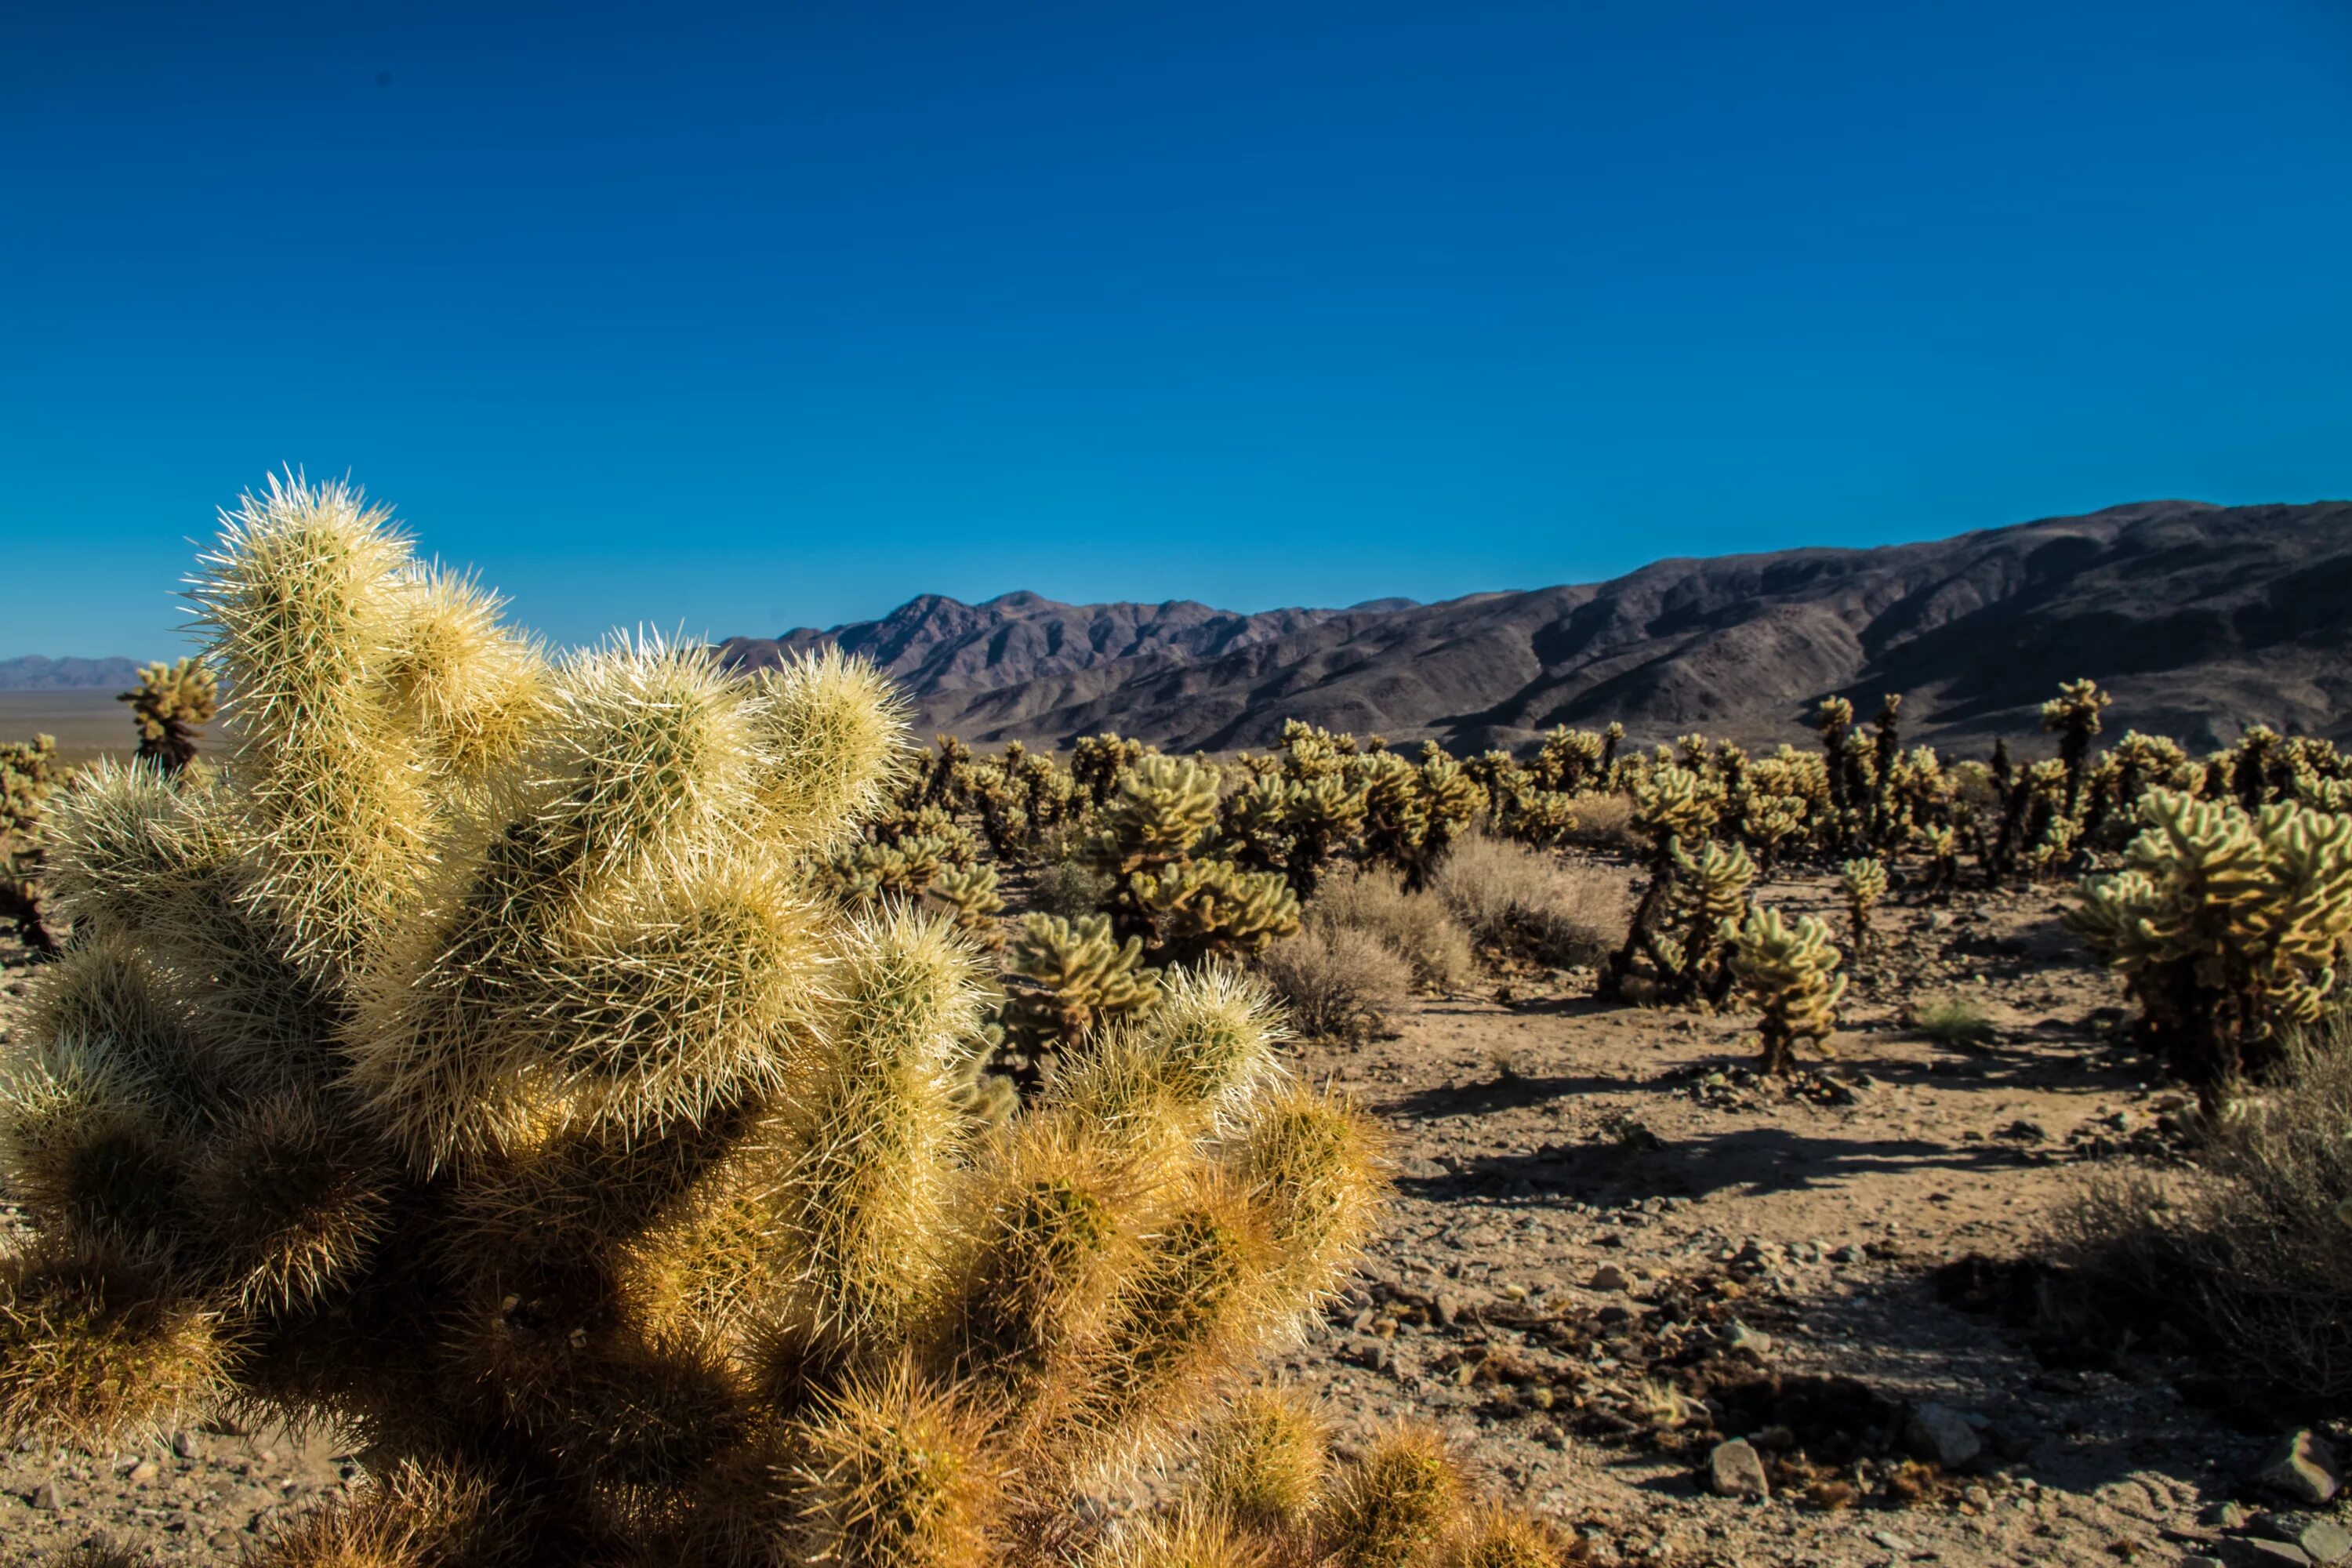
point(732, 320)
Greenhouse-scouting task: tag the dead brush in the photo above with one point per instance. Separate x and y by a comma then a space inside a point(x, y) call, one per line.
point(2245, 1254)
point(1529, 903)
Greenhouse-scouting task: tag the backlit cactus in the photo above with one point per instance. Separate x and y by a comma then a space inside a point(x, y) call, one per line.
point(2228, 926)
point(1066, 978)
point(171, 707)
point(1861, 883)
point(1790, 972)
point(465, 1064)
point(28, 776)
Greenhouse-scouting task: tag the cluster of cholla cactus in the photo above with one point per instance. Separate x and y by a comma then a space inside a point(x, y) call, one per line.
point(1067, 979)
point(1861, 883)
point(2228, 926)
point(28, 776)
point(1676, 812)
point(172, 704)
point(1156, 841)
point(1790, 972)
point(469, 1064)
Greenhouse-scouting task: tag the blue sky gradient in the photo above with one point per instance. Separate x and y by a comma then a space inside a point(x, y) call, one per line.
point(731, 320)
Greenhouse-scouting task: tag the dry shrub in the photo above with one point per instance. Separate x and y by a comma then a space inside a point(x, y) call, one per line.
point(1419, 926)
point(1337, 982)
point(1604, 821)
point(2250, 1255)
point(1529, 902)
point(1070, 889)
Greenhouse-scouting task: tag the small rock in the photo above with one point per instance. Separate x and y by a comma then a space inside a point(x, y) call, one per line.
point(2224, 1515)
point(45, 1498)
point(1448, 1308)
point(2322, 1540)
point(2253, 1551)
point(2301, 1466)
point(1847, 1254)
point(1941, 1435)
point(1608, 1276)
point(1736, 1469)
point(185, 1444)
point(1743, 1338)
point(142, 1472)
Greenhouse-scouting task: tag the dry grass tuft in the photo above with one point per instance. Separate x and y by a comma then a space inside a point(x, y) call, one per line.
point(2252, 1255)
point(1337, 982)
point(1604, 821)
point(1955, 1021)
point(1419, 926)
point(1533, 904)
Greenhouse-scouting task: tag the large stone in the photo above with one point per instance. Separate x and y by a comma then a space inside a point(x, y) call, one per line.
point(2322, 1540)
point(1942, 1435)
point(2254, 1551)
point(1737, 1469)
point(2301, 1466)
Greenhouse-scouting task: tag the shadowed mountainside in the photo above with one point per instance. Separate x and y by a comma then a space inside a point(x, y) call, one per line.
point(2198, 618)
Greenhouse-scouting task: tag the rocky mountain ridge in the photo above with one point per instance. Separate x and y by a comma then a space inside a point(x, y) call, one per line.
point(2199, 618)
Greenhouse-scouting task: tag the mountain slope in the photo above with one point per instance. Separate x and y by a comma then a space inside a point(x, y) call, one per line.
point(33, 672)
point(2199, 618)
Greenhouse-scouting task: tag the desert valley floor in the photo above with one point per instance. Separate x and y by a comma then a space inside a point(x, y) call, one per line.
point(1599, 1211)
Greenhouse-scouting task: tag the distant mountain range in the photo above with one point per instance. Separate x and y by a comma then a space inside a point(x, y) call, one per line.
point(35, 673)
point(2200, 620)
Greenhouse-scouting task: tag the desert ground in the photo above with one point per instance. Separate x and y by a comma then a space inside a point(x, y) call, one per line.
point(1613, 1249)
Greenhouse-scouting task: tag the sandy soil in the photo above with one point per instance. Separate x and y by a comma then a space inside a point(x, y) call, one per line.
point(1603, 1224)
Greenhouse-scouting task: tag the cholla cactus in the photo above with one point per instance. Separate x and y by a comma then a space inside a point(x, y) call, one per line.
point(1541, 817)
point(487, 1089)
point(2228, 926)
point(970, 897)
point(1098, 762)
point(866, 873)
point(1067, 978)
point(28, 776)
point(1861, 883)
point(1162, 809)
point(1572, 761)
point(1710, 895)
point(1412, 815)
point(1673, 807)
point(2073, 717)
point(172, 704)
point(1200, 910)
point(1942, 847)
point(1790, 973)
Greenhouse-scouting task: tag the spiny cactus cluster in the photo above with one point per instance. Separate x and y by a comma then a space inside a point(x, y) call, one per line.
point(468, 1064)
point(1790, 972)
point(172, 704)
point(28, 776)
point(2227, 925)
point(1861, 883)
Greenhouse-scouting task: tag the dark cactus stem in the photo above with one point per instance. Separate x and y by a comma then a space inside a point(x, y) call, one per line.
point(1645, 915)
point(2074, 749)
point(2012, 825)
point(1890, 743)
